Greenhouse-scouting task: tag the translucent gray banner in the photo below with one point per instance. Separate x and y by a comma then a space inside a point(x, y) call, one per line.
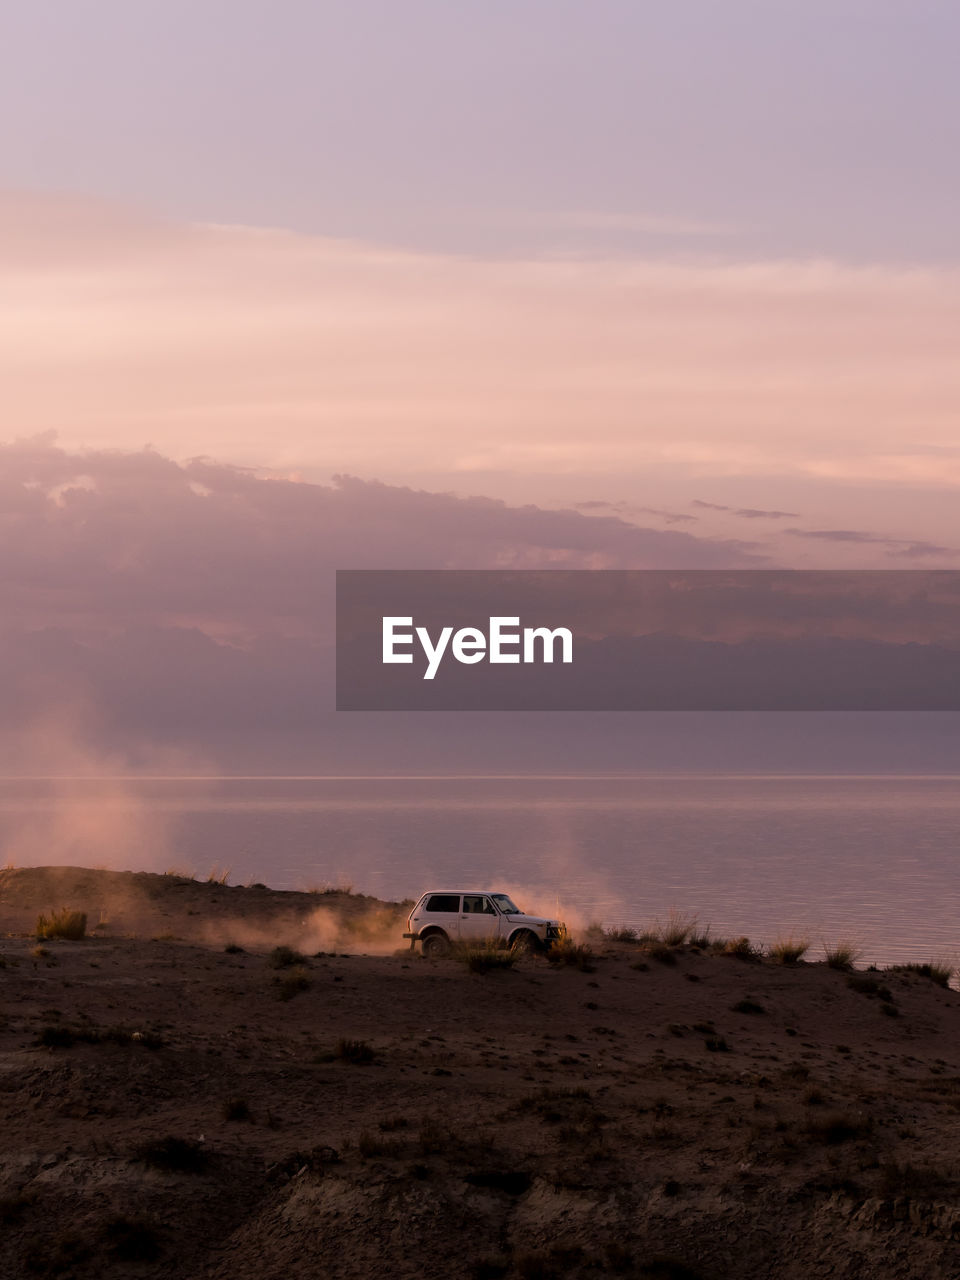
point(644, 640)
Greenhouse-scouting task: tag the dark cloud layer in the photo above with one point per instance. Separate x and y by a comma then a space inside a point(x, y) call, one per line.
point(197, 599)
point(747, 513)
point(903, 548)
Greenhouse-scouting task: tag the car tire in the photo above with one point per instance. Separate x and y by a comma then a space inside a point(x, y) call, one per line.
point(524, 942)
point(435, 945)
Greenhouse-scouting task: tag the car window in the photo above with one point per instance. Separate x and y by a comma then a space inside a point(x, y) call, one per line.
point(449, 902)
point(476, 904)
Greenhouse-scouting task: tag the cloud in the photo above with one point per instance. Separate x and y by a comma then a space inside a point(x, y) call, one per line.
point(625, 509)
point(908, 548)
point(747, 513)
point(120, 329)
point(160, 597)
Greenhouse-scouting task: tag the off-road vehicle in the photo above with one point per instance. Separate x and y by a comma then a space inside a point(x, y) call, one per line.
point(445, 916)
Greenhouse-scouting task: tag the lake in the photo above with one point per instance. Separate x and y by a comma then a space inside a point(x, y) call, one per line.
point(868, 859)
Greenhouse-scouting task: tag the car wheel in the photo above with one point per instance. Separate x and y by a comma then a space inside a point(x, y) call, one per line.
point(435, 945)
point(524, 942)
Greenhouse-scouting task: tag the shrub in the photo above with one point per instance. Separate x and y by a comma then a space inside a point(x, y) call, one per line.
point(914, 1182)
point(132, 1240)
point(623, 934)
point(174, 1155)
point(843, 956)
point(739, 948)
point(936, 971)
point(283, 957)
point(355, 1051)
point(839, 1126)
point(236, 1109)
point(232, 949)
point(677, 928)
point(483, 958)
point(564, 951)
point(65, 923)
point(747, 1006)
point(368, 1144)
point(56, 1038)
point(867, 985)
point(788, 950)
point(291, 984)
point(514, 1182)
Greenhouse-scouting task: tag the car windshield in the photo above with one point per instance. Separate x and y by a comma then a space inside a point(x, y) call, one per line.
point(506, 904)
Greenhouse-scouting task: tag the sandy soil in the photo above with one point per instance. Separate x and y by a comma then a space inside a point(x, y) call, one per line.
point(170, 1108)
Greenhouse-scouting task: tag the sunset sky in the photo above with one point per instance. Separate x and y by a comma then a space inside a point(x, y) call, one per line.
point(464, 284)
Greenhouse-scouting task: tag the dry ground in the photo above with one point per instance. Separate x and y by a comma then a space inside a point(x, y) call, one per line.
point(170, 1108)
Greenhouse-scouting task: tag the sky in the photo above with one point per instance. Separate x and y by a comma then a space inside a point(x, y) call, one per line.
point(469, 284)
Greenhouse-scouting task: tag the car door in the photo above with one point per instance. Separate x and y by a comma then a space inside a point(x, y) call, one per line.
point(479, 918)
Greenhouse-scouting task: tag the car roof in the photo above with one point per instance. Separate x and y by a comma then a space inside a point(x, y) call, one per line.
point(489, 892)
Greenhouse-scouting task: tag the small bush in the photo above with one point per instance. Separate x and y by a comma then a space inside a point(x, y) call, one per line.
point(481, 959)
point(666, 1269)
point(576, 954)
point(663, 952)
point(839, 1126)
point(623, 934)
point(843, 956)
point(283, 957)
point(739, 948)
point(936, 971)
point(867, 985)
point(174, 1155)
point(433, 1139)
point(218, 874)
point(915, 1182)
point(56, 1038)
point(390, 1124)
point(355, 1051)
point(369, 1145)
point(291, 984)
point(788, 950)
point(747, 1006)
point(232, 949)
point(676, 929)
point(65, 923)
point(236, 1109)
point(514, 1182)
point(132, 1240)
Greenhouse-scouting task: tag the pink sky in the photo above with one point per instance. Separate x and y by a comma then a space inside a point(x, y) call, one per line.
point(465, 285)
point(815, 387)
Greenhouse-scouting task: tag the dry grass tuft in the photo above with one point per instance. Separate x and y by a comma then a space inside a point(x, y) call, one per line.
point(174, 1155)
point(843, 956)
point(788, 950)
point(218, 874)
point(291, 983)
point(64, 923)
point(486, 956)
point(677, 928)
point(564, 951)
point(739, 948)
point(937, 971)
point(359, 1052)
point(285, 957)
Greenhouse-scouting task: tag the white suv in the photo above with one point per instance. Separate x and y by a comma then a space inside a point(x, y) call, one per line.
point(444, 916)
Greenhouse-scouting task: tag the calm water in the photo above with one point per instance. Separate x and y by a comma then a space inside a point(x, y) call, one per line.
point(874, 860)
